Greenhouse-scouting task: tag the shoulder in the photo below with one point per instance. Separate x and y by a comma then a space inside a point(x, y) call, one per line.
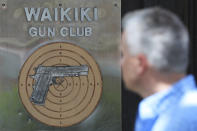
point(189, 99)
point(187, 106)
point(182, 116)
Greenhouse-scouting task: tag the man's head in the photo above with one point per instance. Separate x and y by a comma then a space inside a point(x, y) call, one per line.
point(154, 45)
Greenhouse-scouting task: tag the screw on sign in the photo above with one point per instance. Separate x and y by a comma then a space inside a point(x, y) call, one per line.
point(60, 84)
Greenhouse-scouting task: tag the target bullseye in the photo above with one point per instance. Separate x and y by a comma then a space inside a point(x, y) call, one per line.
point(71, 96)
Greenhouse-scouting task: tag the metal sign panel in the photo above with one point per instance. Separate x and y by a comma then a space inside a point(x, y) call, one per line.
point(60, 65)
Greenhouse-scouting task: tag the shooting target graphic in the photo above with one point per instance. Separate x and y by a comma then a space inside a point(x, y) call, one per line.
point(60, 84)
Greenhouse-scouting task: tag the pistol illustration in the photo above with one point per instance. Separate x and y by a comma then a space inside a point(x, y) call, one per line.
point(47, 75)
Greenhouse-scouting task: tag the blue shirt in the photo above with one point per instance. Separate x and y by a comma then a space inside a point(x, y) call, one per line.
point(174, 109)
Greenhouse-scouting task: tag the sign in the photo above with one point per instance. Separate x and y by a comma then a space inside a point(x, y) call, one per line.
point(61, 15)
point(59, 66)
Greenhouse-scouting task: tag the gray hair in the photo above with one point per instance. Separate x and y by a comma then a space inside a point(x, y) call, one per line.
point(161, 36)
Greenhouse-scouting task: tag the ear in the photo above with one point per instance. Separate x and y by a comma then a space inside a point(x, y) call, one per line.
point(142, 64)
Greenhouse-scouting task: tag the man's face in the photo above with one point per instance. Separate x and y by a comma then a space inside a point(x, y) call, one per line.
point(131, 66)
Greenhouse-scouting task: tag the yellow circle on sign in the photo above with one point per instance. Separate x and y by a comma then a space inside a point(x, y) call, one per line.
point(69, 99)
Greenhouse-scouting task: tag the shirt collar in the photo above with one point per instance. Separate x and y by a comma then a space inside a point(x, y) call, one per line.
point(155, 104)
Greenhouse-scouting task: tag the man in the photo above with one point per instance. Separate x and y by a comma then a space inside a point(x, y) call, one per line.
point(154, 62)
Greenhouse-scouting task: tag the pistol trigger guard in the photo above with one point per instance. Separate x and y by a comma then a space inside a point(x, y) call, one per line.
point(54, 80)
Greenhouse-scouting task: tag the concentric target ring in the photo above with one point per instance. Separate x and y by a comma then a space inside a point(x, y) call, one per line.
point(70, 99)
